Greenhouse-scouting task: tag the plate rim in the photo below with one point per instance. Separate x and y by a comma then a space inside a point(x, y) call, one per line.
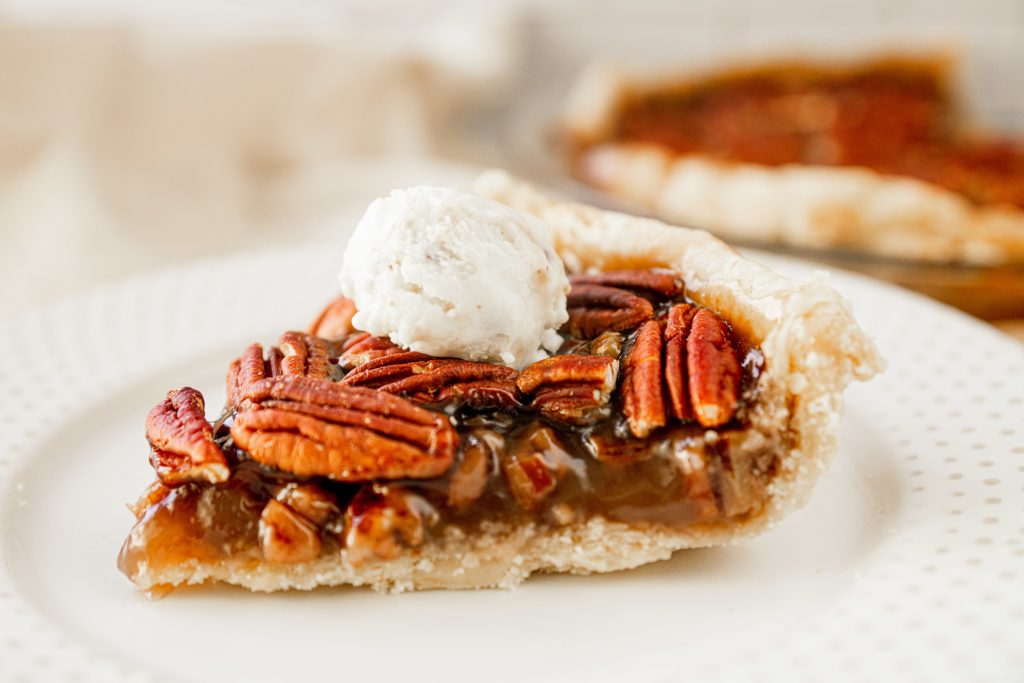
point(248, 259)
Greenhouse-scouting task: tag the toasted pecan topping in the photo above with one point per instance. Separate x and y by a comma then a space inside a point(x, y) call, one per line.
point(304, 355)
point(275, 362)
point(182, 440)
point(677, 327)
point(298, 354)
point(481, 395)
point(433, 380)
point(335, 321)
point(643, 401)
point(363, 348)
point(714, 370)
point(575, 405)
point(244, 370)
point(387, 365)
point(618, 300)
point(594, 309)
point(315, 427)
point(570, 388)
point(568, 369)
point(662, 284)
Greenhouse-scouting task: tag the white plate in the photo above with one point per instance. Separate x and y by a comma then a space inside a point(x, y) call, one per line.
point(908, 561)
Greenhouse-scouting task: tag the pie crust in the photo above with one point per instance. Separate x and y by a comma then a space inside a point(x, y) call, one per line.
point(841, 207)
point(812, 348)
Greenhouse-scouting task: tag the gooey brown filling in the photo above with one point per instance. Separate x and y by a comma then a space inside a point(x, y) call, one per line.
point(547, 463)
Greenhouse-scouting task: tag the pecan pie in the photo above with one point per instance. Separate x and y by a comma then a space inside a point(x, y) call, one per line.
point(872, 157)
point(693, 401)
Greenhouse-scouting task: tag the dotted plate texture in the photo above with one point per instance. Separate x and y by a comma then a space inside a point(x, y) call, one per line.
point(907, 564)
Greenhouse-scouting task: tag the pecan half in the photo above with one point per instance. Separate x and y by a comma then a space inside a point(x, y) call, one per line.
point(566, 369)
point(570, 388)
point(314, 427)
point(386, 366)
point(244, 370)
point(642, 399)
point(663, 284)
point(713, 365)
point(534, 465)
point(433, 380)
point(182, 440)
point(677, 328)
point(304, 355)
point(382, 520)
point(469, 478)
point(287, 536)
point(595, 308)
point(482, 395)
point(363, 348)
point(297, 354)
point(275, 362)
point(335, 321)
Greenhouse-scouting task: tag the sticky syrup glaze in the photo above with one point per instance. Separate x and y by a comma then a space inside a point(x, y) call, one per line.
point(680, 476)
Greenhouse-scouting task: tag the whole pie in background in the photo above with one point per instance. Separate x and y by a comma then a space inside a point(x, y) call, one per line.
point(873, 157)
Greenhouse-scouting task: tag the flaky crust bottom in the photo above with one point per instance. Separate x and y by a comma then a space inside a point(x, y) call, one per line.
point(812, 349)
point(497, 557)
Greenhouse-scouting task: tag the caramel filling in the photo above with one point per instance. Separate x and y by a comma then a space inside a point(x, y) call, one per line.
point(647, 426)
point(674, 480)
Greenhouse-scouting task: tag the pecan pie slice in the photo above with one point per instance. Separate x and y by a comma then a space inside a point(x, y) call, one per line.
point(872, 156)
point(694, 401)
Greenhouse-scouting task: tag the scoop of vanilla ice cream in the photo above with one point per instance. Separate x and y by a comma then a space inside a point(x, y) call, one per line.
point(451, 273)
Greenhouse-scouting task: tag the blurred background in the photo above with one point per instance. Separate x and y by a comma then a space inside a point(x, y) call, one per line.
point(139, 134)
